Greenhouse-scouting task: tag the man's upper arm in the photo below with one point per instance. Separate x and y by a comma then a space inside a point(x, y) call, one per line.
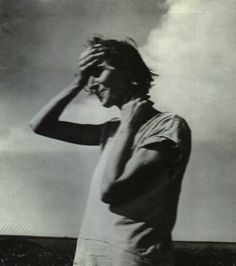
point(74, 133)
point(145, 165)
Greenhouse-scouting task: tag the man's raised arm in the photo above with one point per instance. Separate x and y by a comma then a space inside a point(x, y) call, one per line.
point(46, 122)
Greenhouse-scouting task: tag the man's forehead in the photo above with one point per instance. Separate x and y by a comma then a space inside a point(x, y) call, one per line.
point(106, 65)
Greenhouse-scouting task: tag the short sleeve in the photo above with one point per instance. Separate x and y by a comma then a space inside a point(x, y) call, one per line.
point(172, 129)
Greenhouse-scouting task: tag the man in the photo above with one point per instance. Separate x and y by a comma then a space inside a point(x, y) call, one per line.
point(132, 203)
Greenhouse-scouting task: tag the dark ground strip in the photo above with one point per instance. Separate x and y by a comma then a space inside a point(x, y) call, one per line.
point(33, 251)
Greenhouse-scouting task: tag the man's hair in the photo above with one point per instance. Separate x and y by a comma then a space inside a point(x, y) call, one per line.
point(123, 55)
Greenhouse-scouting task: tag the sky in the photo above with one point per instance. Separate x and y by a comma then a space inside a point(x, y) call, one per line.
point(189, 43)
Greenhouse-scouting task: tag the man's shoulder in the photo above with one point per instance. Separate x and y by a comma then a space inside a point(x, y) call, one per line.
point(172, 120)
point(163, 126)
point(162, 115)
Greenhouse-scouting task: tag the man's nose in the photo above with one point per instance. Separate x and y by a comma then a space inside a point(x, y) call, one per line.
point(93, 84)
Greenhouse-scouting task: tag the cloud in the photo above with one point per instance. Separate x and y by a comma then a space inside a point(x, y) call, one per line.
point(41, 183)
point(194, 53)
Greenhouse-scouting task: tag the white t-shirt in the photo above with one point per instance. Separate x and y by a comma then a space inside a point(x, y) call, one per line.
point(136, 232)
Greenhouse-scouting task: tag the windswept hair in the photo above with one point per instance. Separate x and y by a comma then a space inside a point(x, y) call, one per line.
point(124, 55)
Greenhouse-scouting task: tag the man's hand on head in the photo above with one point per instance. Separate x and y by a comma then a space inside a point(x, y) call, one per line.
point(89, 58)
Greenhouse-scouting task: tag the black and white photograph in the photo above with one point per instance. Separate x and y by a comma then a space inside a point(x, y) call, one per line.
point(117, 133)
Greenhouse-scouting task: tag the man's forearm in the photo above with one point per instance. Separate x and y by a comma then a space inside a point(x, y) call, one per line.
point(133, 115)
point(119, 155)
point(52, 111)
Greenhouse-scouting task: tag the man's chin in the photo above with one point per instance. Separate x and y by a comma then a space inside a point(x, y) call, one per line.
point(106, 103)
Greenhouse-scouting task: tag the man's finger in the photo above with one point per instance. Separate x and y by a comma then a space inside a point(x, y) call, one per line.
point(90, 58)
point(85, 53)
point(90, 50)
point(88, 65)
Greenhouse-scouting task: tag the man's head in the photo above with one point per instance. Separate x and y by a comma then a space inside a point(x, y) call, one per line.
point(124, 56)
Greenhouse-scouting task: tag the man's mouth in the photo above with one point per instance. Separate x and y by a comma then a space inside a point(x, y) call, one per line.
point(101, 93)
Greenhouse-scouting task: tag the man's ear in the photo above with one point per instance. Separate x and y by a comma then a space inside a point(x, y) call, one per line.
point(134, 83)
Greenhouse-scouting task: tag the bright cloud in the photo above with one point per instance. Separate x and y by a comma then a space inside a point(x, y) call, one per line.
point(194, 53)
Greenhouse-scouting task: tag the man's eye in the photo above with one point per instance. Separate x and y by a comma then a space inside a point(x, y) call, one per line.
point(96, 71)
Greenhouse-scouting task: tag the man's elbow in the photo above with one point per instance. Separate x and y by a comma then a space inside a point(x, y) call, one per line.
point(109, 195)
point(110, 199)
point(106, 196)
point(33, 126)
point(113, 195)
point(37, 127)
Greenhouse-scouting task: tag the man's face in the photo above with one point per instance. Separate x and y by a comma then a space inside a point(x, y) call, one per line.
point(109, 84)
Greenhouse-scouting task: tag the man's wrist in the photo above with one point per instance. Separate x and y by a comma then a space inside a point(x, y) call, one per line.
point(126, 129)
point(76, 84)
